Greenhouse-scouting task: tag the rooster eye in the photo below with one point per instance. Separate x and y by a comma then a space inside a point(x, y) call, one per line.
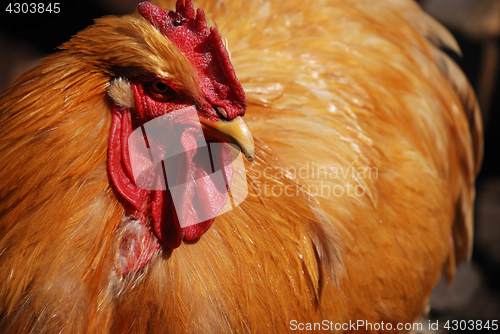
point(160, 91)
point(160, 87)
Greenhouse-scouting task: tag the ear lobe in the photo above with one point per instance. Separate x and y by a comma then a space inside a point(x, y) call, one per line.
point(120, 91)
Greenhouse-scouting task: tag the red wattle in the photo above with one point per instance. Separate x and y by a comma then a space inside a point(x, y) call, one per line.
point(193, 172)
point(117, 164)
point(166, 224)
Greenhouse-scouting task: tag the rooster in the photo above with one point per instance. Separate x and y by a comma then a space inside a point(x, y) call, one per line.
point(365, 141)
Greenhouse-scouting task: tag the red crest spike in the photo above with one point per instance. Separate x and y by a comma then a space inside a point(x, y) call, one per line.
point(185, 9)
point(204, 49)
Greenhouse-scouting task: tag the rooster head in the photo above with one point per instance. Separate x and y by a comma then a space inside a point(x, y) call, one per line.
point(171, 121)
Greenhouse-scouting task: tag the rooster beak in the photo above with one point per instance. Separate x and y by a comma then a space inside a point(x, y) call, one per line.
point(235, 131)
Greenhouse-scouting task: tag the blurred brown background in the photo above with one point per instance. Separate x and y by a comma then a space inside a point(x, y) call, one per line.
point(25, 38)
point(476, 292)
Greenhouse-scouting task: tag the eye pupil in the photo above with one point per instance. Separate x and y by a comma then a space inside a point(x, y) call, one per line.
point(160, 91)
point(160, 87)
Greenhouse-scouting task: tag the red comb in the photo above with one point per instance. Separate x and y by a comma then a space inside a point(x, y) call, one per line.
point(204, 49)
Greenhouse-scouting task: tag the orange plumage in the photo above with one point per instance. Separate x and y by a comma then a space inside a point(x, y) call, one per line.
point(352, 96)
